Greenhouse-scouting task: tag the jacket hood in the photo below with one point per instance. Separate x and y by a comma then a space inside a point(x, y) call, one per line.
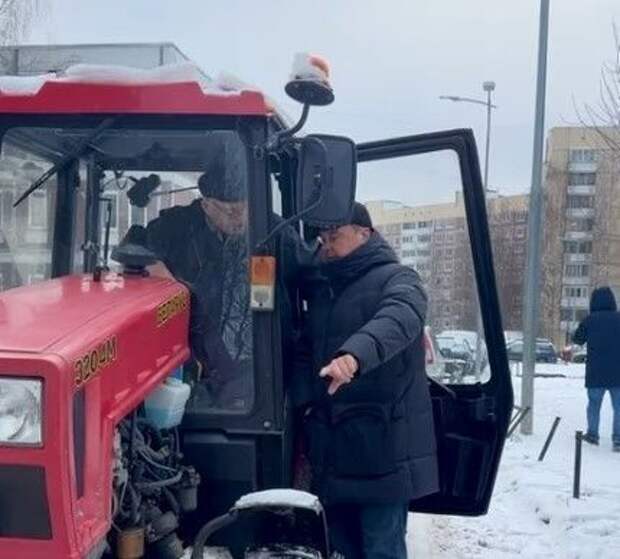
point(375, 252)
point(603, 299)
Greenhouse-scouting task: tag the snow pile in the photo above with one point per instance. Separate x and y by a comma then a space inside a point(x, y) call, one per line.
point(184, 72)
point(229, 82)
point(23, 85)
point(103, 73)
point(533, 513)
point(280, 498)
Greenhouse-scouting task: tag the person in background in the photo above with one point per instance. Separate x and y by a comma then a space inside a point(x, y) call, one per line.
point(361, 385)
point(601, 331)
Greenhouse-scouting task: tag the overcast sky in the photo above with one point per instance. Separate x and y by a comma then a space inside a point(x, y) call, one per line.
point(390, 59)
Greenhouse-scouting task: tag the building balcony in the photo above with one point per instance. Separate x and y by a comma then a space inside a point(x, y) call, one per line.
point(578, 236)
point(579, 280)
point(575, 302)
point(578, 258)
point(579, 212)
point(582, 166)
point(583, 189)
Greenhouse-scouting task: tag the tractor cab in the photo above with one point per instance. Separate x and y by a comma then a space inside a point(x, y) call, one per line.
point(223, 195)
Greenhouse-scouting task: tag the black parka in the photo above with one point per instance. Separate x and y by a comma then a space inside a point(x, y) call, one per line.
point(601, 331)
point(373, 441)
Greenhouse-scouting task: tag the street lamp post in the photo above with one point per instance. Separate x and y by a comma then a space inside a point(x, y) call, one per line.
point(489, 87)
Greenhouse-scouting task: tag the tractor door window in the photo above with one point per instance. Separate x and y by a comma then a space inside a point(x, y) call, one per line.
point(26, 232)
point(417, 205)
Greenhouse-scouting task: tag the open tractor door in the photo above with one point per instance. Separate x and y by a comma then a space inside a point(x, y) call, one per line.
point(433, 211)
point(101, 453)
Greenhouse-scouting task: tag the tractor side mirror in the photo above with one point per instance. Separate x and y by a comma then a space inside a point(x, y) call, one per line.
point(326, 179)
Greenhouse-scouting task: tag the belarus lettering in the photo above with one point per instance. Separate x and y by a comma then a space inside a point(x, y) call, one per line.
point(173, 306)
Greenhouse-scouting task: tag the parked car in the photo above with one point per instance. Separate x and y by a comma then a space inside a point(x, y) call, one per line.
point(545, 351)
point(511, 335)
point(443, 369)
point(457, 348)
point(471, 338)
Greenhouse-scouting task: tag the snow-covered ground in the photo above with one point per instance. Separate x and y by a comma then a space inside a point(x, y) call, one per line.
point(533, 514)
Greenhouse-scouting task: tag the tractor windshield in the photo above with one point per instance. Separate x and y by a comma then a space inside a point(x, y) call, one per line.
point(182, 193)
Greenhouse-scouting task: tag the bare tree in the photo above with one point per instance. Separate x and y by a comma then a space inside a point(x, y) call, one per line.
point(553, 260)
point(604, 115)
point(16, 17)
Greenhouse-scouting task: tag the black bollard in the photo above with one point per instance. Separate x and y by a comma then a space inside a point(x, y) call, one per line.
point(577, 476)
point(556, 422)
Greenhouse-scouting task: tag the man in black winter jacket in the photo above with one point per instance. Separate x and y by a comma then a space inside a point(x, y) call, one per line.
point(362, 381)
point(601, 331)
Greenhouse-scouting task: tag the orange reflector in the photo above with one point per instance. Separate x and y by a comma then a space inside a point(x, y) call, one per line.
point(263, 270)
point(262, 282)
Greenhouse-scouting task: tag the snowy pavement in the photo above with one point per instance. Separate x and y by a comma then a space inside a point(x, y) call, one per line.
point(533, 514)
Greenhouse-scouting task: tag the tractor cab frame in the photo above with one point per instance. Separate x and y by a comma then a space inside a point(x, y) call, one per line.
point(93, 136)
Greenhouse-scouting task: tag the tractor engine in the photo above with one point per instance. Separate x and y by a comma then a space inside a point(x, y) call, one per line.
point(82, 474)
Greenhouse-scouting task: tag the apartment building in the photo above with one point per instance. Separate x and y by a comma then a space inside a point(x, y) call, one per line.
point(582, 224)
point(433, 239)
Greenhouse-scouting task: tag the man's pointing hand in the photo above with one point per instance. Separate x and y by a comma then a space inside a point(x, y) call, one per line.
point(341, 370)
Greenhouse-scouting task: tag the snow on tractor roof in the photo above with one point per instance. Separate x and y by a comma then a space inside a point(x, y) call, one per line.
point(173, 89)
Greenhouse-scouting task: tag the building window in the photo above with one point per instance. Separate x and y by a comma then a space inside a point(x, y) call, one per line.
point(424, 224)
point(566, 315)
point(520, 217)
point(6, 209)
point(409, 239)
point(578, 247)
point(424, 238)
point(582, 156)
point(409, 225)
point(580, 224)
point(577, 179)
point(576, 270)
point(37, 209)
point(576, 201)
point(576, 292)
point(35, 278)
point(425, 253)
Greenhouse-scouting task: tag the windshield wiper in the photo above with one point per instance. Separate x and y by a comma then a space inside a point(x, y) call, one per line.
point(80, 147)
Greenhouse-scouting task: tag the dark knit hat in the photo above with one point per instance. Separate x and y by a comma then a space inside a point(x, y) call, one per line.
point(214, 183)
point(360, 216)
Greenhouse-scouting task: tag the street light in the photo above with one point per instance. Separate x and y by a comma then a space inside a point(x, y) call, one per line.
point(489, 87)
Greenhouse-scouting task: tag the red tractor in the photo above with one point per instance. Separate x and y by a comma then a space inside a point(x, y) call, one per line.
point(87, 467)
